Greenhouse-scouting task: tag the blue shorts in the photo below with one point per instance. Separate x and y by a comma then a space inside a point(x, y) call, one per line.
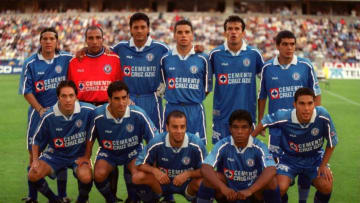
point(152, 105)
point(57, 162)
point(33, 123)
point(115, 159)
point(195, 116)
point(292, 166)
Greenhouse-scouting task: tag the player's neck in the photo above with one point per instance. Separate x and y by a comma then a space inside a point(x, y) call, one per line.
point(284, 60)
point(184, 50)
point(234, 47)
point(66, 113)
point(175, 144)
point(48, 55)
point(117, 115)
point(140, 43)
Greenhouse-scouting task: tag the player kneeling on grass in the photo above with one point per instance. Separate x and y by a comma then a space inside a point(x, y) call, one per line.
point(239, 168)
point(63, 128)
point(171, 162)
point(297, 137)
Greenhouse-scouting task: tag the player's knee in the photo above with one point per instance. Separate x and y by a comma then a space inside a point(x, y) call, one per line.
point(283, 188)
point(138, 177)
point(85, 177)
point(324, 186)
point(272, 185)
point(100, 175)
point(33, 176)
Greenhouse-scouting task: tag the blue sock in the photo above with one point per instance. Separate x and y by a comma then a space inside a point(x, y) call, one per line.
point(32, 190)
point(169, 197)
point(42, 186)
point(303, 188)
point(104, 189)
point(61, 178)
point(145, 194)
point(321, 198)
point(84, 190)
point(205, 194)
point(272, 195)
point(284, 198)
point(130, 187)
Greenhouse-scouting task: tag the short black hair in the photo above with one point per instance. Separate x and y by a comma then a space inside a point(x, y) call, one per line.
point(175, 114)
point(49, 29)
point(234, 18)
point(239, 115)
point(139, 16)
point(304, 91)
point(94, 27)
point(284, 34)
point(117, 86)
point(183, 22)
point(66, 83)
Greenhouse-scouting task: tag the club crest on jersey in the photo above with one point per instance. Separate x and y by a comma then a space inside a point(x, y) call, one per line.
point(294, 146)
point(81, 86)
point(78, 123)
point(107, 144)
point(296, 76)
point(223, 79)
point(250, 162)
point(127, 71)
point(171, 83)
point(194, 69)
point(164, 170)
point(274, 93)
point(107, 69)
point(315, 131)
point(58, 69)
point(229, 173)
point(149, 57)
point(129, 128)
point(246, 62)
point(39, 86)
point(185, 160)
point(59, 142)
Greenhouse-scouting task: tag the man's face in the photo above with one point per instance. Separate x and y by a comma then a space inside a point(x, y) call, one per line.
point(286, 48)
point(67, 98)
point(304, 108)
point(183, 35)
point(48, 42)
point(139, 30)
point(94, 40)
point(234, 33)
point(176, 129)
point(240, 131)
point(118, 102)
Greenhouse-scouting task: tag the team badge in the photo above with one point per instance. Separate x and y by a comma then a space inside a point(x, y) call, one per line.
point(171, 83)
point(194, 69)
point(229, 173)
point(294, 146)
point(78, 123)
point(223, 79)
point(186, 160)
point(164, 170)
point(39, 86)
point(250, 162)
point(58, 69)
point(81, 86)
point(107, 144)
point(149, 57)
point(246, 62)
point(127, 70)
point(296, 76)
point(129, 128)
point(274, 93)
point(59, 142)
point(107, 69)
point(315, 131)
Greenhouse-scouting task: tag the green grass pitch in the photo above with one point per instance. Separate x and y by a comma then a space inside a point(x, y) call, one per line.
point(340, 97)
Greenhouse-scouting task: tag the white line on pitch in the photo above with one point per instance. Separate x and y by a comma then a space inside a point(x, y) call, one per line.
point(343, 98)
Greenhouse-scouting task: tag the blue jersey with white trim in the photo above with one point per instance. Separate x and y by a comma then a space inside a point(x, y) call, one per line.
point(235, 86)
point(280, 83)
point(65, 136)
point(187, 79)
point(298, 139)
point(121, 136)
point(41, 77)
point(141, 69)
point(241, 167)
point(170, 160)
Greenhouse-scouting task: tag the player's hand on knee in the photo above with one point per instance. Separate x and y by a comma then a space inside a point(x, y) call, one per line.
point(230, 194)
point(243, 194)
point(161, 177)
point(35, 165)
point(325, 172)
point(180, 179)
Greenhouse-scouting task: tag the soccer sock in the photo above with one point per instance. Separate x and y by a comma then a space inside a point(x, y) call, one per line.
point(130, 187)
point(321, 198)
point(104, 189)
point(42, 186)
point(113, 178)
point(205, 194)
point(169, 197)
point(284, 198)
point(32, 190)
point(145, 194)
point(84, 190)
point(61, 178)
point(272, 195)
point(303, 188)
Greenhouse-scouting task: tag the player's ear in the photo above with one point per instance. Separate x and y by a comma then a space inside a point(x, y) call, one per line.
point(294, 104)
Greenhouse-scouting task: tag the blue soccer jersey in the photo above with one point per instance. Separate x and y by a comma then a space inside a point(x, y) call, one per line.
point(280, 83)
point(170, 160)
point(122, 137)
point(241, 167)
point(296, 139)
point(65, 135)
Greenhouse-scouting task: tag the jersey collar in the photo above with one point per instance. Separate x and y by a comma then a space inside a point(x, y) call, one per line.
point(102, 51)
point(57, 111)
point(294, 118)
point(175, 52)
point(176, 150)
point(293, 62)
point(40, 56)
point(243, 48)
point(239, 150)
point(147, 43)
point(116, 120)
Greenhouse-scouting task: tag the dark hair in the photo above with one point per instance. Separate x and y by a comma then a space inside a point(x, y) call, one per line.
point(49, 29)
point(117, 86)
point(94, 27)
point(240, 115)
point(234, 18)
point(139, 16)
point(304, 91)
point(66, 83)
point(175, 114)
point(284, 34)
point(183, 22)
